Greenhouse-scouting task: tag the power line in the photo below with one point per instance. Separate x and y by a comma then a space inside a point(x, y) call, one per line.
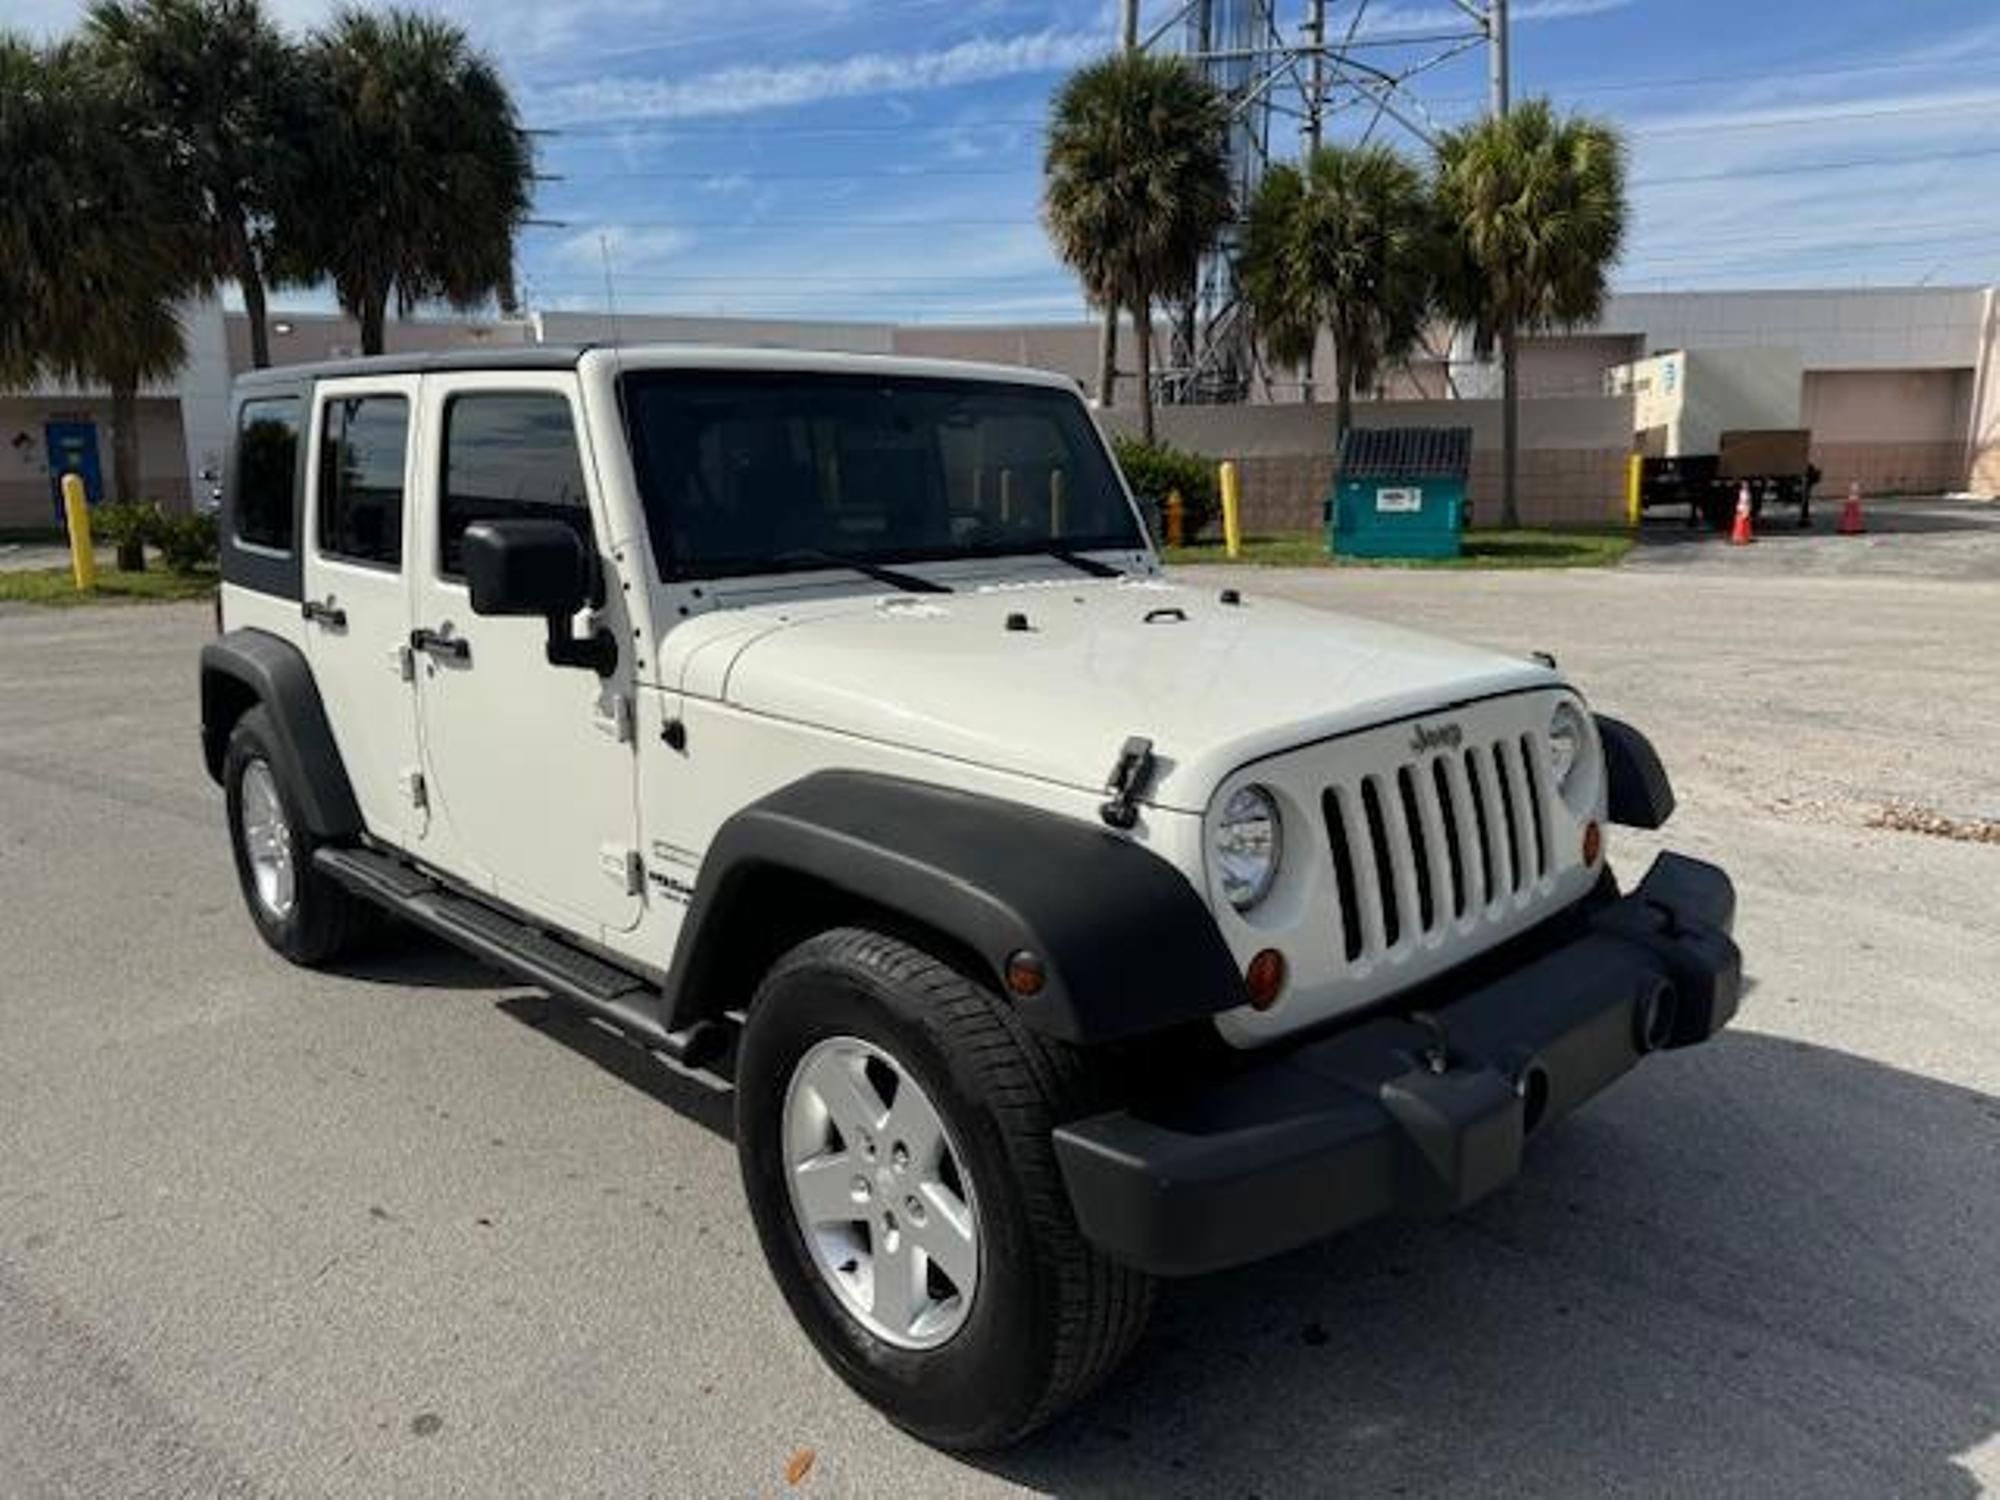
point(734, 128)
point(1978, 106)
point(1798, 168)
point(928, 222)
point(929, 170)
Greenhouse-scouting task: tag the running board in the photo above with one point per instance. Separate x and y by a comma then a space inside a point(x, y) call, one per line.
point(616, 996)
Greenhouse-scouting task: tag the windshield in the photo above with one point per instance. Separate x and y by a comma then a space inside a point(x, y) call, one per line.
point(754, 472)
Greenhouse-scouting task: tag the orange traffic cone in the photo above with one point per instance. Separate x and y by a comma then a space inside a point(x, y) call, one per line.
point(1851, 523)
point(1740, 534)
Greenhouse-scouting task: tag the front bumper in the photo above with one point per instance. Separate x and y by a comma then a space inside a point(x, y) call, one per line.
point(1424, 1111)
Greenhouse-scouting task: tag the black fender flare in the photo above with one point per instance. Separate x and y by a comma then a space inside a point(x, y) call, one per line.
point(1128, 944)
point(246, 667)
point(1638, 793)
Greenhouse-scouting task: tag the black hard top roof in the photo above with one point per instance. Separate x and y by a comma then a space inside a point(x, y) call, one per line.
point(498, 357)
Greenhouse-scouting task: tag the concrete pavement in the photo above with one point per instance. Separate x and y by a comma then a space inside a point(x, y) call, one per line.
point(408, 1229)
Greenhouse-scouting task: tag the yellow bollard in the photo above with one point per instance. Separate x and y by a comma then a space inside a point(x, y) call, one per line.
point(1633, 464)
point(1232, 512)
point(76, 512)
point(1176, 518)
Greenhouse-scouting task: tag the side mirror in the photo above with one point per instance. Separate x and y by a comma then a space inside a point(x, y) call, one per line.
point(525, 568)
point(529, 567)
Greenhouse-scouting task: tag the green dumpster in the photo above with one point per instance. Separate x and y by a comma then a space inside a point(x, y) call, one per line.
point(1399, 492)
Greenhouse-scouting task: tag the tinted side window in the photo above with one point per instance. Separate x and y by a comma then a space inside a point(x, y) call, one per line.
point(363, 440)
point(504, 456)
point(267, 472)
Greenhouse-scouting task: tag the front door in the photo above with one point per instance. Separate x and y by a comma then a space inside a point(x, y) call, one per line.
point(529, 768)
point(73, 450)
point(357, 591)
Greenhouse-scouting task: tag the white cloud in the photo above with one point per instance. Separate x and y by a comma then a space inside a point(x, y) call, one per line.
point(627, 246)
point(749, 88)
point(1389, 20)
point(1825, 115)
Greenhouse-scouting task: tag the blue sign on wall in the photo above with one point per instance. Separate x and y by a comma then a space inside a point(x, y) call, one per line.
point(73, 450)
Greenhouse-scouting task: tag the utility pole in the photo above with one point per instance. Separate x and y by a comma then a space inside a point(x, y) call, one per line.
point(1510, 371)
point(1316, 104)
point(1496, 53)
point(1107, 338)
point(1315, 132)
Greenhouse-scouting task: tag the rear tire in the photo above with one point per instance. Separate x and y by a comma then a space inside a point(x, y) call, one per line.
point(1049, 1317)
point(302, 913)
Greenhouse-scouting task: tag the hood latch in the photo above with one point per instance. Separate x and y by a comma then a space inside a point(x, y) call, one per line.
point(1128, 782)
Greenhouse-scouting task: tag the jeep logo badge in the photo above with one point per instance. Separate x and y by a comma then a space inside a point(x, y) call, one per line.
point(1436, 737)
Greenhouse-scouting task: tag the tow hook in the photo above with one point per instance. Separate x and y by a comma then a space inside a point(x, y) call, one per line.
point(1436, 1057)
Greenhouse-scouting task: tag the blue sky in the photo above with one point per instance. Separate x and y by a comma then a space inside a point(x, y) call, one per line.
point(881, 158)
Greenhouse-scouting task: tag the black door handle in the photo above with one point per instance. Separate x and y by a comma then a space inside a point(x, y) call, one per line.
point(324, 614)
point(444, 647)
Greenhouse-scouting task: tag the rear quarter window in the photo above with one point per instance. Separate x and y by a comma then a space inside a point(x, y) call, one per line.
point(267, 473)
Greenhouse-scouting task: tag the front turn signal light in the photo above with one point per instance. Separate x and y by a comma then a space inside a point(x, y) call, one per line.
point(1265, 978)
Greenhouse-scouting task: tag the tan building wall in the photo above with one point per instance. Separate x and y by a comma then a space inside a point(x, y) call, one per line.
point(1982, 440)
point(1572, 454)
point(1066, 348)
point(306, 338)
point(26, 497)
point(1889, 430)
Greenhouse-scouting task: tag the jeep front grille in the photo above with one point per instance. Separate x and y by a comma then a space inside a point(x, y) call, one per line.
point(1457, 837)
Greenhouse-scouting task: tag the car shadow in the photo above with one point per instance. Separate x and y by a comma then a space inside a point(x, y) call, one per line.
point(694, 1096)
point(407, 955)
point(1759, 1267)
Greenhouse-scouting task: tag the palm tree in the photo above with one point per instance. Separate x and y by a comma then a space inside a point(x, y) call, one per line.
point(217, 89)
point(1533, 209)
point(1346, 243)
point(94, 262)
point(422, 173)
point(1137, 183)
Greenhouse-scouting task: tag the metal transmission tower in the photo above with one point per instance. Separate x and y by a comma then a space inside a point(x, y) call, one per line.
point(1330, 69)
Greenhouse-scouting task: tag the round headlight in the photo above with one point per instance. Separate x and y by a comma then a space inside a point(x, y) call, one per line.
point(1569, 740)
point(1249, 843)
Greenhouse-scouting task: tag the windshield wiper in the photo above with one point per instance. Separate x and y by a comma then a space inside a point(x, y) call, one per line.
point(910, 583)
point(1091, 565)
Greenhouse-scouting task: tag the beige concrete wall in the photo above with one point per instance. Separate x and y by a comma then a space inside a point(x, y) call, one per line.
point(318, 336)
point(1572, 454)
point(25, 495)
point(1889, 429)
point(1066, 348)
point(677, 328)
point(1982, 436)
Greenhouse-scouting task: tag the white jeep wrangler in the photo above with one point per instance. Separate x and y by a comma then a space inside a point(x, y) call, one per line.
point(827, 724)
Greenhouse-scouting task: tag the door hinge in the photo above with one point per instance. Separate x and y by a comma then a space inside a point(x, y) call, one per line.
point(411, 784)
point(613, 717)
point(403, 662)
point(622, 867)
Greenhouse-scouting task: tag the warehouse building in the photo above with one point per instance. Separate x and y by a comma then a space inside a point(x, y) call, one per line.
point(1901, 389)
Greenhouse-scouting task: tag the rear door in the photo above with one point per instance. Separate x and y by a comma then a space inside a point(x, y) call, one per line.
point(356, 602)
point(530, 768)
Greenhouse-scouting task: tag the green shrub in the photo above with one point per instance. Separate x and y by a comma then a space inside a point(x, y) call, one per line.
point(129, 526)
point(187, 541)
point(1156, 470)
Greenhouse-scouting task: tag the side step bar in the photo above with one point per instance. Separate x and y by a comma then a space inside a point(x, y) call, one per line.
point(613, 995)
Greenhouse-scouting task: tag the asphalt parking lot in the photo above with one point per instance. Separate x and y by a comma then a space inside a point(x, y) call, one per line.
point(408, 1229)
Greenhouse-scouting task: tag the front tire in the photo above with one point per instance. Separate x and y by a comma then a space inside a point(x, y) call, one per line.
point(895, 1130)
point(300, 912)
